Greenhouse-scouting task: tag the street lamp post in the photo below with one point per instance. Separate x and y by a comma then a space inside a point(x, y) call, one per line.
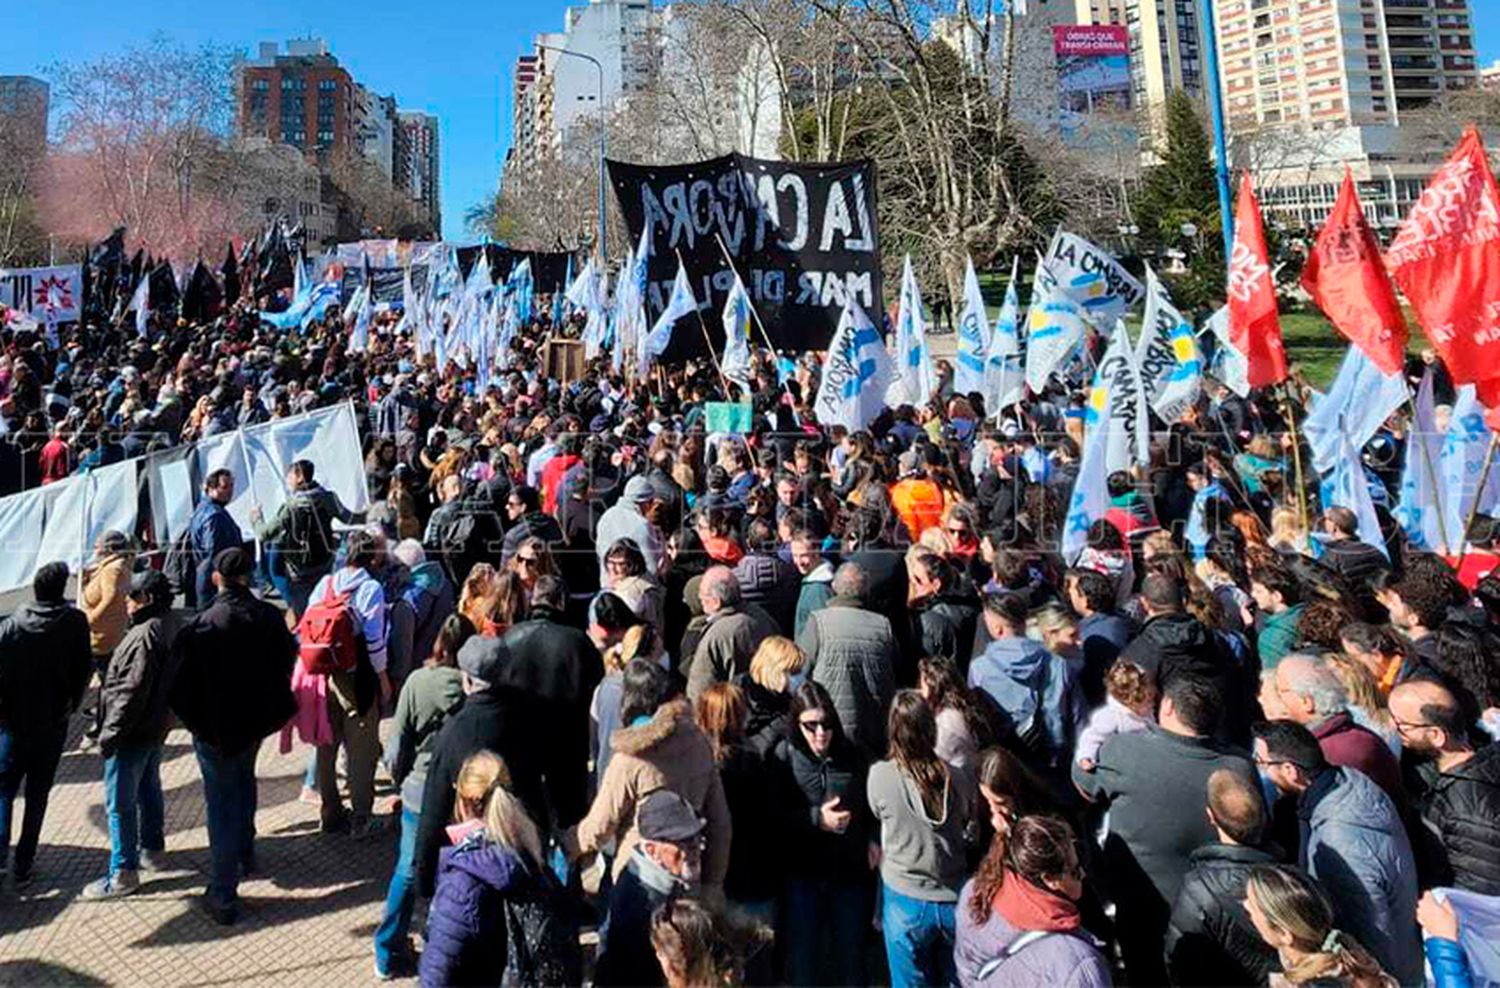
point(603, 222)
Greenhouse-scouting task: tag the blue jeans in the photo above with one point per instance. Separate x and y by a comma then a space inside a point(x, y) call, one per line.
point(819, 913)
point(132, 798)
point(401, 896)
point(918, 940)
point(229, 791)
point(32, 759)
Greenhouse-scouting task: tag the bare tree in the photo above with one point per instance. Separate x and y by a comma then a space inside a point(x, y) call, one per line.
point(135, 130)
point(22, 154)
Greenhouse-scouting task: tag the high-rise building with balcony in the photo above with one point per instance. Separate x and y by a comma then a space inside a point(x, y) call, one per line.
point(1165, 51)
point(421, 142)
point(1313, 86)
point(301, 97)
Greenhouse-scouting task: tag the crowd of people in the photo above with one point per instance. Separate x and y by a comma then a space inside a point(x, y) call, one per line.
point(793, 706)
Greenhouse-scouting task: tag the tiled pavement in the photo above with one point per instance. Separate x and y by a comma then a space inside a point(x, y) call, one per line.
point(307, 917)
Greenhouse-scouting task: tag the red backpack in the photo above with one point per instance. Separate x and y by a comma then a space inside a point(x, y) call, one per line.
point(329, 635)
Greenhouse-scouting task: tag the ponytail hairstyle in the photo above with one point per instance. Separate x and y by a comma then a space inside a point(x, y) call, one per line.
point(721, 715)
point(1295, 907)
point(685, 942)
point(1035, 849)
point(913, 733)
point(507, 823)
point(480, 772)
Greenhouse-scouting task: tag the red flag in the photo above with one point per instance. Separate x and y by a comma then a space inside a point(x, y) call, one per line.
point(1253, 325)
point(1446, 258)
point(1345, 276)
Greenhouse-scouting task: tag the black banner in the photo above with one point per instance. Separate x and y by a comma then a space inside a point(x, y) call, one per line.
point(386, 283)
point(549, 268)
point(802, 236)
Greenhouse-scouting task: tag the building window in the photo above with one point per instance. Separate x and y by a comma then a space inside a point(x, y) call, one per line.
point(260, 85)
point(327, 85)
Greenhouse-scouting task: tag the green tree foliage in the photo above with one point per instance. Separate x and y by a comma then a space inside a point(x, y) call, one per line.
point(1180, 191)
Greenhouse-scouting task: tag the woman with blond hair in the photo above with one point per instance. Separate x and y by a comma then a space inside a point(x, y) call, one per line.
point(493, 883)
point(1287, 534)
point(775, 672)
point(639, 642)
point(1292, 915)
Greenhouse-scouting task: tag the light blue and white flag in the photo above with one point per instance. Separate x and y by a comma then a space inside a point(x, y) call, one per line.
point(1004, 372)
point(912, 384)
point(856, 372)
point(973, 337)
point(1127, 421)
point(1090, 498)
point(1420, 512)
point(680, 303)
point(1360, 399)
point(736, 316)
point(1348, 487)
point(1229, 364)
point(520, 287)
point(325, 293)
point(1090, 276)
point(141, 303)
point(1464, 449)
point(581, 291)
point(1167, 355)
point(359, 336)
point(1054, 330)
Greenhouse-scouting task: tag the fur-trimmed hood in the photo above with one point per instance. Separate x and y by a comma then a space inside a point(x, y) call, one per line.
point(667, 721)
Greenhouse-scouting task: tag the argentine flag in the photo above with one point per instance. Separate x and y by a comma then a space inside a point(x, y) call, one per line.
point(1054, 329)
point(736, 318)
point(1090, 497)
point(680, 303)
point(913, 367)
point(1348, 487)
point(1357, 404)
point(1004, 375)
point(856, 372)
point(1420, 512)
point(973, 334)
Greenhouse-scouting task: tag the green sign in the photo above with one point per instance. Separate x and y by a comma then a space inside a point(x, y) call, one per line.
point(728, 416)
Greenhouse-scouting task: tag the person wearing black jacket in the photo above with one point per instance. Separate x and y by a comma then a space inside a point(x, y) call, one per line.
point(944, 617)
point(494, 718)
point(826, 824)
point(1210, 939)
point(233, 689)
point(45, 666)
point(523, 507)
point(557, 667)
point(134, 721)
point(1461, 799)
point(1345, 554)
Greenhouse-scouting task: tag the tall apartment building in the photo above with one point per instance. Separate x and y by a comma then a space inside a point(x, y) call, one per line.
point(1101, 11)
point(1311, 86)
point(1034, 88)
point(421, 142)
point(302, 97)
point(23, 113)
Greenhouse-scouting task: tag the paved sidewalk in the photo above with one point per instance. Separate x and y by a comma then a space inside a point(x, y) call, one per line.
point(307, 918)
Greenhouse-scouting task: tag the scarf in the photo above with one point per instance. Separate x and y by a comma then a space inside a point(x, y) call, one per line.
point(1027, 907)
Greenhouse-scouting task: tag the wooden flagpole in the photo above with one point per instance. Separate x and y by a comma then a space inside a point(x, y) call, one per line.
point(753, 313)
point(1291, 424)
point(708, 340)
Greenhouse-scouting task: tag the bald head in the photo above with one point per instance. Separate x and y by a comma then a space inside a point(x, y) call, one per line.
point(1309, 689)
point(1235, 808)
point(1429, 719)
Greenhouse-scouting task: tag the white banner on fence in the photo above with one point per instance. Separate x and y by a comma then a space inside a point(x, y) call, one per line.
point(52, 294)
point(63, 520)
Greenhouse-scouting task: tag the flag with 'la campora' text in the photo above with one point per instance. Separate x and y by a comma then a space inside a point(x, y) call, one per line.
point(1346, 277)
point(1446, 258)
point(1254, 327)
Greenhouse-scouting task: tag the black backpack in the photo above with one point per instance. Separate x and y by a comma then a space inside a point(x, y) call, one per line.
point(308, 542)
point(541, 928)
point(180, 566)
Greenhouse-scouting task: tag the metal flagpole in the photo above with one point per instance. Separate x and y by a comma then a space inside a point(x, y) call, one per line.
point(1216, 113)
point(753, 313)
point(707, 340)
point(1484, 476)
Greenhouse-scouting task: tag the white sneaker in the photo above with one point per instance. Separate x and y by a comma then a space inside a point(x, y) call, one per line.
point(121, 883)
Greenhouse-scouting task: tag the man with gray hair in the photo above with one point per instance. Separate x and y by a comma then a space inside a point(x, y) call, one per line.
point(1314, 697)
point(852, 652)
point(735, 630)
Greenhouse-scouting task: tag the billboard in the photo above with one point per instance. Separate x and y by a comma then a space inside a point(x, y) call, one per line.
point(1093, 74)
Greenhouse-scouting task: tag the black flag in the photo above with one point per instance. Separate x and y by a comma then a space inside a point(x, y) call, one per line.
point(162, 295)
point(202, 298)
point(231, 273)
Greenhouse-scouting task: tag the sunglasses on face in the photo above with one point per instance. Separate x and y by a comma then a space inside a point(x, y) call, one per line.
point(815, 726)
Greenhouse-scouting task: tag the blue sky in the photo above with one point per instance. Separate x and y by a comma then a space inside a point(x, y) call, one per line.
point(451, 59)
